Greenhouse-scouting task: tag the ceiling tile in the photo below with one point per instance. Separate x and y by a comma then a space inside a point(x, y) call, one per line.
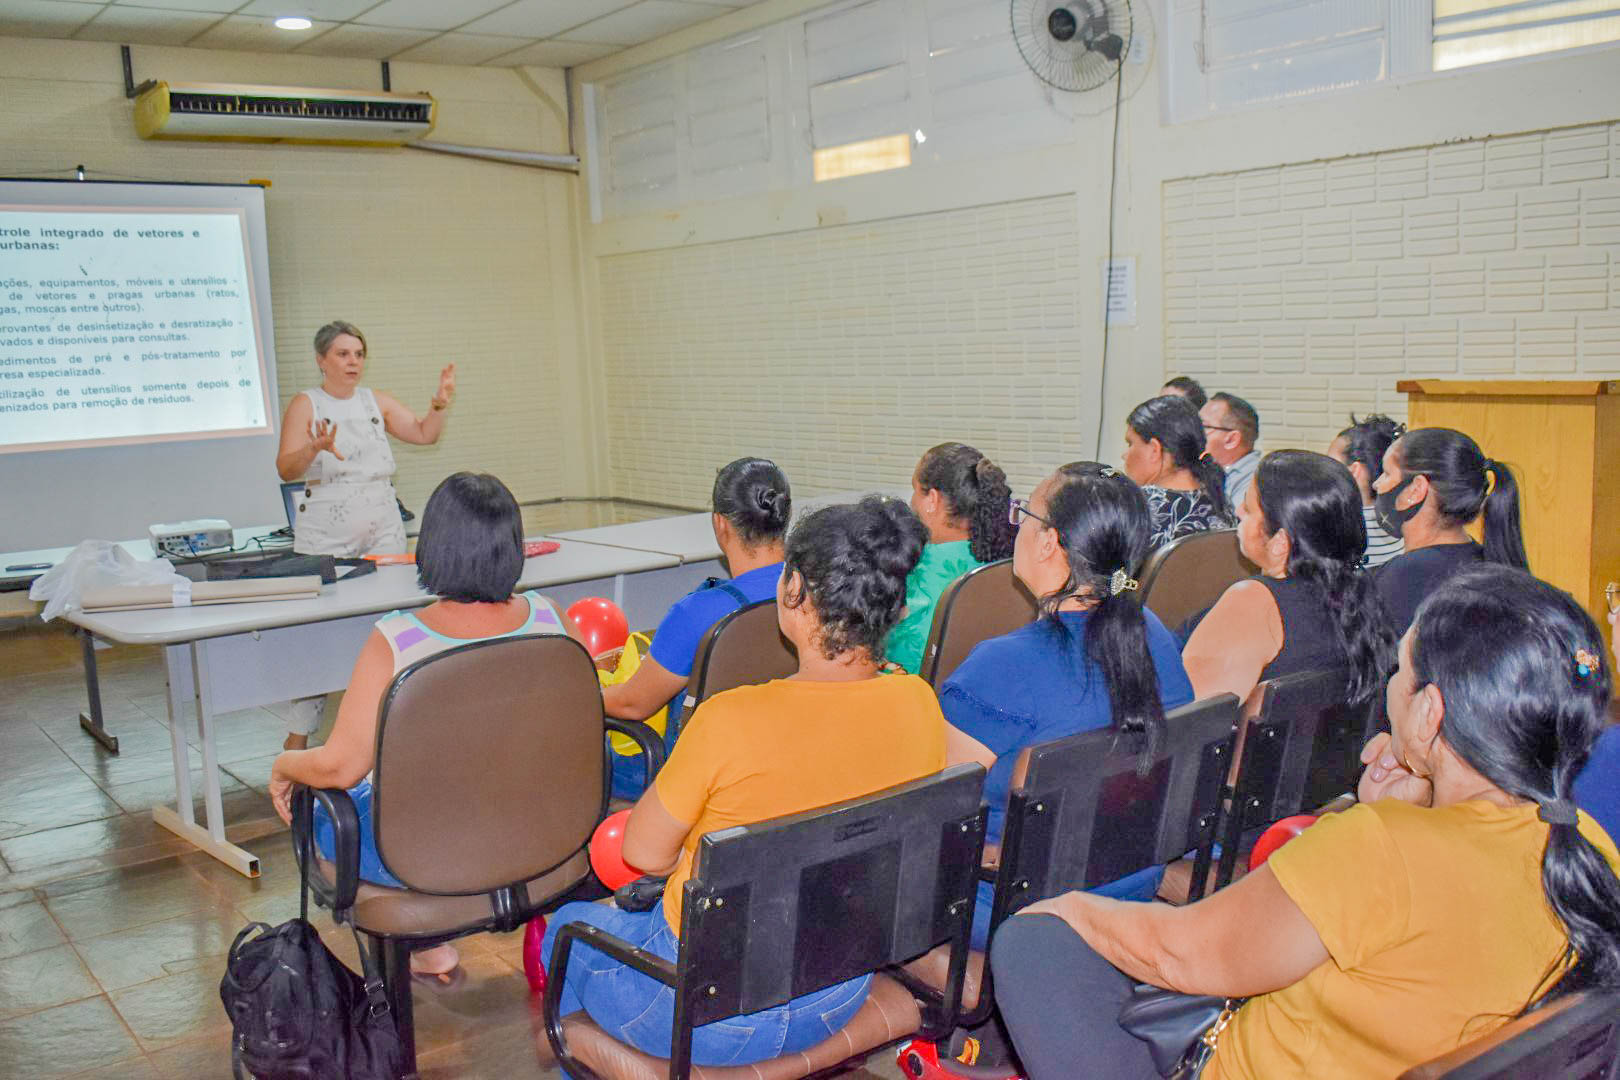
point(256, 33)
point(428, 14)
point(146, 26)
point(363, 42)
point(461, 49)
point(219, 7)
point(330, 10)
point(44, 18)
point(643, 22)
point(543, 18)
point(556, 54)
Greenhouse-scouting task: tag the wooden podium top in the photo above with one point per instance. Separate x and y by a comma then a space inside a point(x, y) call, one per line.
point(1510, 387)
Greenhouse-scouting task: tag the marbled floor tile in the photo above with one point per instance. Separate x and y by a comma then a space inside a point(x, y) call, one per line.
point(25, 925)
point(94, 905)
point(65, 1040)
point(174, 1008)
point(184, 943)
point(41, 980)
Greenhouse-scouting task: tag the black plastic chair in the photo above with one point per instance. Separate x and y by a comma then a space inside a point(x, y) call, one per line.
point(786, 907)
point(983, 603)
point(1082, 814)
point(745, 648)
point(1577, 1038)
point(1300, 749)
point(491, 774)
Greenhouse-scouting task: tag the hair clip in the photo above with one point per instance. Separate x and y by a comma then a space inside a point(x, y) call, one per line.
point(1585, 662)
point(1121, 582)
point(1108, 471)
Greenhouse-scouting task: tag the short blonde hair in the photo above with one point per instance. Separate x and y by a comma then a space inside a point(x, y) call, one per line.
point(332, 331)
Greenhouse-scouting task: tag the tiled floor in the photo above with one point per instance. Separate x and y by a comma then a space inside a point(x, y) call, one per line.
point(113, 933)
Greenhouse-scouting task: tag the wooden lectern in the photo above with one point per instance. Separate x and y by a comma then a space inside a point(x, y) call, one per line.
point(1562, 440)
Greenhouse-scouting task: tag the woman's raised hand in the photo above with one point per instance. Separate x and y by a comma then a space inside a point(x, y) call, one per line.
point(324, 437)
point(447, 386)
point(1385, 777)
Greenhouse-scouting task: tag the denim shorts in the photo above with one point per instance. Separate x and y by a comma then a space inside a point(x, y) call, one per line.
point(637, 1009)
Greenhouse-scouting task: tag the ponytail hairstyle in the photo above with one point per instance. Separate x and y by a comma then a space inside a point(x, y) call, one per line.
point(854, 560)
point(1103, 522)
point(975, 491)
point(1175, 424)
point(1524, 712)
point(1365, 441)
point(1315, 501)
point(753, 494)
point(1457, 471)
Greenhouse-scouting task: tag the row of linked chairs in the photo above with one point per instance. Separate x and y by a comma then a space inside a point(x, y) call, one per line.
point(484, 803)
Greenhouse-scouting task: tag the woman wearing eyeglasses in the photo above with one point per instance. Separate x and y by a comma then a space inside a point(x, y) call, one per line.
point(1436, 482)
point(1165, 454)
point(1094, 658)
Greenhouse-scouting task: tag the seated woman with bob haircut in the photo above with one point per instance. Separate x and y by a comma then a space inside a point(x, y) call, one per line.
point(1311, 607)
point(1094, 658)
point(1464, 889)
point(836, 730)
point(469, 554)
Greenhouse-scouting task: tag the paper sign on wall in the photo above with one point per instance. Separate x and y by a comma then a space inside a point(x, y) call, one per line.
point(1119, 290)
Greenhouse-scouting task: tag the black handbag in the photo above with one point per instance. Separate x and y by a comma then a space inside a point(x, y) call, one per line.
point(1179, 1029)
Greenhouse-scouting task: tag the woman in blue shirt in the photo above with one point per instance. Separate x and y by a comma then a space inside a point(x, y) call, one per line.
point(1094, 657)
point(752, 505)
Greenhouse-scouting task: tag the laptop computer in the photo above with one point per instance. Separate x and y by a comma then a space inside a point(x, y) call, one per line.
point(289, 500)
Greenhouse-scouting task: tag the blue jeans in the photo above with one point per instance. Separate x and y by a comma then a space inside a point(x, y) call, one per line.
point(371, 867)
point(637, 1009)
point(1141, 885)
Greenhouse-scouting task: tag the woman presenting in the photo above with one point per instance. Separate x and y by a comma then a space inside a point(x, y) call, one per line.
point(335, 437)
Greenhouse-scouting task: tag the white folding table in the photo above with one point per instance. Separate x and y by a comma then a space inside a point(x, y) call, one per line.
point(233, 656)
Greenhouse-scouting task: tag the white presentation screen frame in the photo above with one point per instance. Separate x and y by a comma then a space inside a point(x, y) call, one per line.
point(57, 496)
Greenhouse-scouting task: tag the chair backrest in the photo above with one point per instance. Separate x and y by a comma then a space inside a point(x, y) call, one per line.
point(1577, 1038)
point(983, 603)
point(785, 907)
point(1085, 813)
point(745, 648)
point(489, 764)
point(1301, 745)
point(1187, 575)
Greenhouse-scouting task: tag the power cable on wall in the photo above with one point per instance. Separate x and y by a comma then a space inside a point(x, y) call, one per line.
point(1108, 263)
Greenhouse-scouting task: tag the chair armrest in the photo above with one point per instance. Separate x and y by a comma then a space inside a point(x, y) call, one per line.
point(345, 845)
point(557, 968)
point(1336, 805)
point(650, 742)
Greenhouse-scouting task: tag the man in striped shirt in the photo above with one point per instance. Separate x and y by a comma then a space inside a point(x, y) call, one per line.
point(1231, 428)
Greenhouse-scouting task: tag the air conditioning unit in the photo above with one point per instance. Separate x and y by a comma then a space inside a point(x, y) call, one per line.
point(281, 114)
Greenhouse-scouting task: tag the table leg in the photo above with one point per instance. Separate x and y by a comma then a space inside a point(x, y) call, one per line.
point(618, 591)
point(91, 721)
point(181, 819)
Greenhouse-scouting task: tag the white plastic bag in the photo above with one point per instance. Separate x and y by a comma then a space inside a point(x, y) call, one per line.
point(91, 565)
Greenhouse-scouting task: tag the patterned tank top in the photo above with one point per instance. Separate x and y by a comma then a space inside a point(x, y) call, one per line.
point(412, 640)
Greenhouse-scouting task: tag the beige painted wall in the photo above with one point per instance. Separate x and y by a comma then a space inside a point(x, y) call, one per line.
point(436, 258)
point(1523, 98)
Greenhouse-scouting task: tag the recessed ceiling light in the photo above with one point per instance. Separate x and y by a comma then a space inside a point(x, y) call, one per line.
point(293, 22)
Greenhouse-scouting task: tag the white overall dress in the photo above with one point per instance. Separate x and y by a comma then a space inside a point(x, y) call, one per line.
point(347, 507)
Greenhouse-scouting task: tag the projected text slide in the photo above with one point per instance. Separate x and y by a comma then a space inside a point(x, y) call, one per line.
point(123, 325)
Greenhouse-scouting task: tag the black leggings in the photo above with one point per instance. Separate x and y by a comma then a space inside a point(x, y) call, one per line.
point(1061, 1003)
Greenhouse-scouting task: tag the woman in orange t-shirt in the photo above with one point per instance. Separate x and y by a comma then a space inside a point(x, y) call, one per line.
point(1466, 889)
point(833, 731)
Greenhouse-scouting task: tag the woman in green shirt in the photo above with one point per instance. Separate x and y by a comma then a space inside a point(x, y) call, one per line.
point(962, 497)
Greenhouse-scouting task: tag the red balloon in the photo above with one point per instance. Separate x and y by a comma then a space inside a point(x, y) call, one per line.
point(1276, 836)
point(601, 623)
point(607, 846)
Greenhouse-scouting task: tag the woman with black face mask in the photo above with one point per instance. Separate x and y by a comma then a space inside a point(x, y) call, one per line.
point(1436, 482)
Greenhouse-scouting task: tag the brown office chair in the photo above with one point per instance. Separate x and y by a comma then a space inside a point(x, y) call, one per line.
point(490, 779)
point(745, 648)
point(772, 911)
point(1187, 576)
point(983, 603)
point(1577, 1038)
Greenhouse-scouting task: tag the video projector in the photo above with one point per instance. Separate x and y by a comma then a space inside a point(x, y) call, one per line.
point(187, 538)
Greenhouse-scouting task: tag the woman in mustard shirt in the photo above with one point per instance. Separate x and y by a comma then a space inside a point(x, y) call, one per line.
point(1464, 890)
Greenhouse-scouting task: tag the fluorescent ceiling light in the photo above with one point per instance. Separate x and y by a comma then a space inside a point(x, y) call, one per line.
point(293, 22)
